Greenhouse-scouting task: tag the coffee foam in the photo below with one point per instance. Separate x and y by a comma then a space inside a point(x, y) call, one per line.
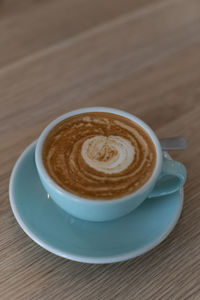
point(110, 155)
point(99, 155)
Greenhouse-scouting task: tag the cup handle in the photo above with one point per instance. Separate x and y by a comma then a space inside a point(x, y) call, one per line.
point(171, 179)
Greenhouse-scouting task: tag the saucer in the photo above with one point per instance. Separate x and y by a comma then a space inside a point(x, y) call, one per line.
point(83, 241)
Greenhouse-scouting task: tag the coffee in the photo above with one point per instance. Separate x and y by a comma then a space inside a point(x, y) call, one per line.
point(99, 155)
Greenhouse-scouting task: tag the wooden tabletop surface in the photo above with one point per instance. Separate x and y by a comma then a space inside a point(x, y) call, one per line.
point(141, 56)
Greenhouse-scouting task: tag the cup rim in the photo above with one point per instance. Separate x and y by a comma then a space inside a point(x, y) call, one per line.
point(64, 193)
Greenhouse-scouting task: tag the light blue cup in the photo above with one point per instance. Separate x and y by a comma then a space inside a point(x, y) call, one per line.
point(168, 176)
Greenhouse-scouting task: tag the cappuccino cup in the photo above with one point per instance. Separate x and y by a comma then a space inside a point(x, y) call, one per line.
point(100, 163)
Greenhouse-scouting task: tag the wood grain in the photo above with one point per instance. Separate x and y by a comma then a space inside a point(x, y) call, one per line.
point(140, 56)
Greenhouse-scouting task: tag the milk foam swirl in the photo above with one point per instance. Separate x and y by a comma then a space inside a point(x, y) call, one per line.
point(112, 154)
point(99, 155)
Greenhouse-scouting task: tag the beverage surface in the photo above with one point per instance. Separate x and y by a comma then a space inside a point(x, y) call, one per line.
point(99, 156)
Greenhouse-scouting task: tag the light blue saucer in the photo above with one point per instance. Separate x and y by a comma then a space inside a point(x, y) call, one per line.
point(91, 242)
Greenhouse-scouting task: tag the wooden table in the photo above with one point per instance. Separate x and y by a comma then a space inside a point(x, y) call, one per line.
point(141, 56)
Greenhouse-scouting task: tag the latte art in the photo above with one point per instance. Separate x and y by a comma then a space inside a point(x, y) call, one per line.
point(99, 155)
point(112, 154)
